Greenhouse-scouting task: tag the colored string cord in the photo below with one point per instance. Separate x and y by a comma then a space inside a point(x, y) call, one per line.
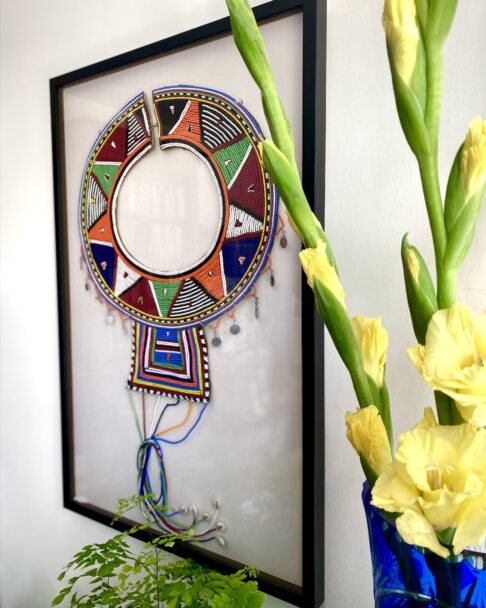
point(134, 412)
point(155, 505)
point(268, 265)
point(281, 227)
point(177, 426)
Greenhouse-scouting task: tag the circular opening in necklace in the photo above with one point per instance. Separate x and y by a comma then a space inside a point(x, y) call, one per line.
point(169, 211)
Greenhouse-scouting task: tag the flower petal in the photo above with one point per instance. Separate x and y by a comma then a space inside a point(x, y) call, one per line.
point(416, 530)
point(367, 434)
point(429, 420)
point(441, 506)
point(474, 414)
point(471, 530)
point(449, 347)
point(391, 493)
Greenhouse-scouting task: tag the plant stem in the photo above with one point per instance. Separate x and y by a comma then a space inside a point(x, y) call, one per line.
point(447, 286)
point(386, 413)
point(433, 54)
point(433, 201)
point(429, 173)
point(444, 411)
point(362, 388)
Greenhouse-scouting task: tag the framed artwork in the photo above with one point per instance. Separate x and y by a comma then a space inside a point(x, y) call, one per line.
point(191, 356)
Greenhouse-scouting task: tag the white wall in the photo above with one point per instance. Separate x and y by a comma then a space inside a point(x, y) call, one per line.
point(40, 40)
point(373, 197)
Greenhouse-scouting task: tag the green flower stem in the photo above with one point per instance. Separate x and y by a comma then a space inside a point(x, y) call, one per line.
point(444, 409)
point(278, 123)
point(447, 411)
point(447, 286)
point(433, 54)
point(361, 387)
point(386, 412)
point(433, 200)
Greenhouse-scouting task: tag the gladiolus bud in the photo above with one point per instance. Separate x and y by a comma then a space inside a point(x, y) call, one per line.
point(408, 70)
point(373, 340)
point(289, 186)
point(367, 434)
point(473, 160)
point(465, 190)
point(316, 265)
point(402, 34)
point(422, 301)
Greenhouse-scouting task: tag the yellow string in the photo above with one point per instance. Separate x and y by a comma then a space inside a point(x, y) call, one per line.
point(177, 426)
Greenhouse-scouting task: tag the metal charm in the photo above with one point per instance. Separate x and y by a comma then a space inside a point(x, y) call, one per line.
point(216, 341)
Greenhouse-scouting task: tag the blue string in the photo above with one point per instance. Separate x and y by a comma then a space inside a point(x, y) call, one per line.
point(154, 443)
point(147, 447)
point(143, 458)
point(172, 442)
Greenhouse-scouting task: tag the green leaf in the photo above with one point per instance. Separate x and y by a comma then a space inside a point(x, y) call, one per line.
point(418, 82)
point(385, 412)
point(422, 13)
point(421, 297)
point(455, 195)
point(460, 216)
point(441, 14)
point(58, 599)
point(462, 234)
point(288, 184)
point(341, 331)
point(410, 113)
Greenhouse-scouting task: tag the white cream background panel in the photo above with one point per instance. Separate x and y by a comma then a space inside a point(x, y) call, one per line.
point(247, 449)
point(373, 197)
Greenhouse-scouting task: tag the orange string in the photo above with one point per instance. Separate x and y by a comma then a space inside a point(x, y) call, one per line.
point(252, 293)
point(268, 265)
point(281, 227)
point(177, 426)
point(215, 325)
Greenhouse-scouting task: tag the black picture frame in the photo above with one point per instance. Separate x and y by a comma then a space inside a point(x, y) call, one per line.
point(311, 594)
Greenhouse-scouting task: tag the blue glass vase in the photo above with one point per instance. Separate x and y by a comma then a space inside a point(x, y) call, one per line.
point(405, 576)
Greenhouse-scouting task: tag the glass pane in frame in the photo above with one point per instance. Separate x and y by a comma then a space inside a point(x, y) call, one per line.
point(247, 450)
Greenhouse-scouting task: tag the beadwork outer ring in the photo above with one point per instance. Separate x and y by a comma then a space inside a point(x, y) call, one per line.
point(218, 129)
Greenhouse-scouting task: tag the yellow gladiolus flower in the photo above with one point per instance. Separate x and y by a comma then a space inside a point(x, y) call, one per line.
point(429, 420)
point(316, 265)
point(453, 359)
point(367, 434)
point(402, 34)
point(437, 481)
point(373, 340)
point(473, 159)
